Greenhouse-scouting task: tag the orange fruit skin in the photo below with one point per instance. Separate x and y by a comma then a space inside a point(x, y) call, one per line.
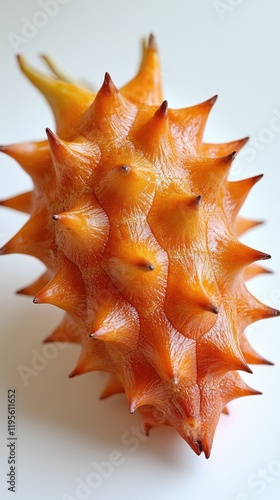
point(137, 224)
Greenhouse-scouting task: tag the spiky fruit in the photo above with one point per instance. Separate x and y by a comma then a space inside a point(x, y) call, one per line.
point(137, 224)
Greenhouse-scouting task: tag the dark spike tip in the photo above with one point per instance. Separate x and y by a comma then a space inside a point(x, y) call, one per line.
point(207, 454)
point(259, 222)
point(254, 392)
point(200, 447)
point(244, 140)
point(73, 374)
point(213, 100)
point(265, 256)
point(268, 362)
point(212, 308)
point(197, 200)
point(92, 335)
point(56, 217)
point(275, 313)
point(246, 368)
point(152, 44)
point(131, 409)
point(162, 110)
point(230, 157)
point(47, 340)
point(148, 428)
point(36, 300)
point(108, 86)
point(145, 265)
point(256, 178)
point(52, 137)
point(125, 169)
point(20, 60)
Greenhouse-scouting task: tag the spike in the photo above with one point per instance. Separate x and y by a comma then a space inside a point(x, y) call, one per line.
point(235, 194)
point(67, 331)
point(152, 43)
point(193, 312)
point(251, 356)
point(174, 218)
point(22, 202)
point(125, 169)
point(100, 333)
point(151, 418)
point(145, 265)
point(33, 157)
point(117, 322)
point(110, 114)
point(127, 187)
point(162, 111)
point(155, 138)
point(197, 200)
point(146, 87)
point(65, 290)
point(85, 228)
point(88, 221)
point(73, 162)
point(242, 225)
point(212, 308)
point(142, 385)
point(218, 351)
point(214, 150)
point(31, 239)
point(230, 255)
point(61, 75)
point(125, 262)
point(56, 69)
point(232, 387)
point(108, 85)
point(253, 270)
point(158, 346)
point(94, 356)
point(113, 386)
point(137, 398)
point(213, 402)
point(37, 285)
point(188, 124)
point(208, 175)
point(249, 309)
point(68, 101)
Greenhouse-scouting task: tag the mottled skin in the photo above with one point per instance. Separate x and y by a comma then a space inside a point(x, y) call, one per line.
point(137, 224)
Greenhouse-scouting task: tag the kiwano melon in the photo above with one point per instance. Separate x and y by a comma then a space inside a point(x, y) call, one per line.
point(137, 224)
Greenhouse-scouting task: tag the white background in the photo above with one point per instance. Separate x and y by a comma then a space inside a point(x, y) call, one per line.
point(230, 48)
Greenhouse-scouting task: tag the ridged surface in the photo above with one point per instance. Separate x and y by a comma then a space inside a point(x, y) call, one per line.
point(137, 224)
